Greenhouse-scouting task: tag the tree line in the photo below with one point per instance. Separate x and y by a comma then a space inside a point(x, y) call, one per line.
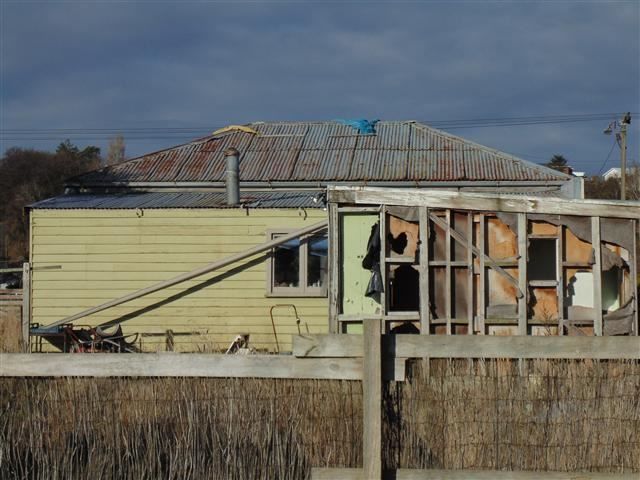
point(28, 176)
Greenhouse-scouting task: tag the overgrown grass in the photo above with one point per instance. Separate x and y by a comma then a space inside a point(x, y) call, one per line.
point(498, 414)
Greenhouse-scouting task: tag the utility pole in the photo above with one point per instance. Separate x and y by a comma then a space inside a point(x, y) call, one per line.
point(621, 138)
point(626, 120)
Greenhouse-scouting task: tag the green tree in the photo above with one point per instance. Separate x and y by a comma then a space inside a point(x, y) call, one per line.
point(27, 176)
point(557, 162)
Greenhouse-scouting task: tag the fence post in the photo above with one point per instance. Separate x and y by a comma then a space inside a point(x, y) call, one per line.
point(26, 304)
point(372, 399)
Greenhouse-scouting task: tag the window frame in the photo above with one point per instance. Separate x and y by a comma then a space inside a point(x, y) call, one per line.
point(303, 290)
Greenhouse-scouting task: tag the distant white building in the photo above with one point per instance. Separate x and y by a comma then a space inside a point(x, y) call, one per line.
point(615, 172)
point(612, 173)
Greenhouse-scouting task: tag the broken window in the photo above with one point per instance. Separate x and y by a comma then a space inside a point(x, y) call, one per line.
point(298, 267)
point(542, 263)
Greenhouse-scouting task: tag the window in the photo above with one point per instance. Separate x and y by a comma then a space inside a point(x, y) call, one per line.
point(298, 267)
point(542, 259)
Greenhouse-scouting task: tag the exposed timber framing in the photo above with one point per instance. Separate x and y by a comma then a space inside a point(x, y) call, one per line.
point(447, 271)
point(194, 273)
point(597, 276)
point(560, 277)
point(425, 311)
point(482, 279)
point(478, 201)
point(467, 346)
point(490, 262)
point(522, 273)
point(384, 294)
point(470, 274)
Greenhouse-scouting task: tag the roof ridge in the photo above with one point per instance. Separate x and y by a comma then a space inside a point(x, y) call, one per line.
point(485, 148)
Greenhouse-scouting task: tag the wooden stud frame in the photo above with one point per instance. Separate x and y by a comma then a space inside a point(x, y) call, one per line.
point(597, 276)
point(522, 273)
point(425, 311)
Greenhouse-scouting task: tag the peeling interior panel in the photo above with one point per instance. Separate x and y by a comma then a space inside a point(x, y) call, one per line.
point(576, 250)
point(403, 237)
point(500, 290)
point(543, 304)
point(501, 241)
point(542, 228)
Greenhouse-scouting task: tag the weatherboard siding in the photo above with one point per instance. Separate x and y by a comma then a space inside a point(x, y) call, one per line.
point(104, 254)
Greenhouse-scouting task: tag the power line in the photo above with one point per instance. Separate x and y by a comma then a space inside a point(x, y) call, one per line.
point(613, 144)
point(180, 132)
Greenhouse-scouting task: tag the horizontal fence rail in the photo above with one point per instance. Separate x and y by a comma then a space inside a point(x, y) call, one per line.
point(10, 297)
point(176, 365)
point(471, 346)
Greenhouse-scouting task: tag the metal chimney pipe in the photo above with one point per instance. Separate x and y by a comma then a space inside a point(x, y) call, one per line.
point(232, 182)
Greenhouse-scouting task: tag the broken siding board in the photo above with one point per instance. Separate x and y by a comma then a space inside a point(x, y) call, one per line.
point(597, 276)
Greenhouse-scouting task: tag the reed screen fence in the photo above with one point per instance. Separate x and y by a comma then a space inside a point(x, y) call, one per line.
point(543, 415)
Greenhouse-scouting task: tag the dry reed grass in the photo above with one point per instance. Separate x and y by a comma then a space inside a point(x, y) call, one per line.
point(533, 415)
point(539, 415)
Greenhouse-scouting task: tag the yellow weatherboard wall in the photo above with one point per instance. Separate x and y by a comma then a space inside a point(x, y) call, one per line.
point(104, 254)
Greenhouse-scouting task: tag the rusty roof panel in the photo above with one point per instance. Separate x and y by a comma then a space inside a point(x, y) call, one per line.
point(263, 166)
point(330, 136)
point(327, 152)
point(318, 165)
point(371, 165)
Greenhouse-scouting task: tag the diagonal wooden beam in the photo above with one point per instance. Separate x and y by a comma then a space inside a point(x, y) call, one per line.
point(490, 262)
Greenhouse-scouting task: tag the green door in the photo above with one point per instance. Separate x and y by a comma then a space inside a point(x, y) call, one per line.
point(356, 229)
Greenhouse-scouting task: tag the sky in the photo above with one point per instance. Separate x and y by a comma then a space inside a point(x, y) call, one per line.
point(163, 72)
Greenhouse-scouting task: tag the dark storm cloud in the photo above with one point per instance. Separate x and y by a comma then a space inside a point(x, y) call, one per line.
point(208, 64)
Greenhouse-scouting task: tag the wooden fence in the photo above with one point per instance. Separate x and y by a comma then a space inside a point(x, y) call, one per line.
point(371, 357)
point(19, 300)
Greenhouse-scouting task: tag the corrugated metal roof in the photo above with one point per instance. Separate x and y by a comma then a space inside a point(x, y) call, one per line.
point(179, 200)
point(327, 152)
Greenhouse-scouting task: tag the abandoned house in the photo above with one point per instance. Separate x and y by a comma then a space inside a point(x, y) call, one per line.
point(121, 229)
point(491, 264)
